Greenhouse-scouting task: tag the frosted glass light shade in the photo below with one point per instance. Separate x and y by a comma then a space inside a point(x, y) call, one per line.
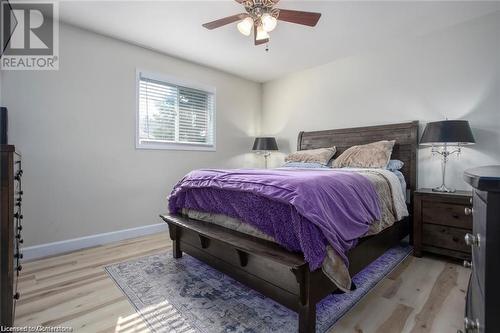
point(268, 22)
point(261, 33)
point(246, 26)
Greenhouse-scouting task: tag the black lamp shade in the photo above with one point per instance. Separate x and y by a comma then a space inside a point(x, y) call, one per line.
point(265, 143)
point(452, 132)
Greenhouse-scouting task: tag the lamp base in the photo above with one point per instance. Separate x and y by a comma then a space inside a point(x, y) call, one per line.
point(443, 189)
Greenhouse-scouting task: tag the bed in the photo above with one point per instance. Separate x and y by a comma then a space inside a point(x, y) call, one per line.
point(284, 275)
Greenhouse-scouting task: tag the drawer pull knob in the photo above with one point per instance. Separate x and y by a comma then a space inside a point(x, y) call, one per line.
point(472, 240)
point(17, 296)
point(468, 211)
point(467, 264)
point(471, 325)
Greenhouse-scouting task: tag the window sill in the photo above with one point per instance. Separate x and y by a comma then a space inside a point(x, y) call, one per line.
point(174, 146)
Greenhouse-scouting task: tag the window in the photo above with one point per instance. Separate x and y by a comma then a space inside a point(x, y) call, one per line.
point(174, 115)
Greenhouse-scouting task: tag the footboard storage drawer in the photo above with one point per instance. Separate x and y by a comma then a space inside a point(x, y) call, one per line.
point(269, 270)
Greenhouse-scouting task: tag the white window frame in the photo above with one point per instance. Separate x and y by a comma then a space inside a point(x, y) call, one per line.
point(152, 144)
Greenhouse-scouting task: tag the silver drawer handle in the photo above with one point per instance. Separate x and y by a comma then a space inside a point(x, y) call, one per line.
point(472, 240)
point(468, 211)
point(467, 264)
point(471, 325)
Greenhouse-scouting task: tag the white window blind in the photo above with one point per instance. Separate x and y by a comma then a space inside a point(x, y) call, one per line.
point(173, 116)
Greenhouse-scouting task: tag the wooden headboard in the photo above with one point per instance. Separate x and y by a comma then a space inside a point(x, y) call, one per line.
point(405, 149)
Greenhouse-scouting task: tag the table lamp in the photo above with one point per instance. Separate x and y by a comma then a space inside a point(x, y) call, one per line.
point(265, 145)
point(442, 135)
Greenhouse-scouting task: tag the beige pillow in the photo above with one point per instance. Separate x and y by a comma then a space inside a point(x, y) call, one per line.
point(372, 155)
point(320, 155)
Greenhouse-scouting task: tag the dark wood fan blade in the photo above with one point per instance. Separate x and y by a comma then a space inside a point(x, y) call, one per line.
point(260, 41)
point(223, 21)
point(299, 17)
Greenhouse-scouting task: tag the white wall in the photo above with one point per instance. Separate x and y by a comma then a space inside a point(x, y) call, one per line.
point(454, 73)
point(76, 130)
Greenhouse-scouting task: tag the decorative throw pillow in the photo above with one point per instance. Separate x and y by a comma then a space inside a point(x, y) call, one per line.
point(372, 155)
point(320, 155)
point(395, 165)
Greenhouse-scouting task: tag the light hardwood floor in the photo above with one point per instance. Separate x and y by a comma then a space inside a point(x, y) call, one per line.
point(422, 295)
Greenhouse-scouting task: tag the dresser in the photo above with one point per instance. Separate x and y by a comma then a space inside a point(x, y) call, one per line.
point(482, 313)
point(440, 223)
point(11, 240)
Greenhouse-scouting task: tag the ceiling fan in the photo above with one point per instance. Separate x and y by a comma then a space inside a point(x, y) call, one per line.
point(261, 17)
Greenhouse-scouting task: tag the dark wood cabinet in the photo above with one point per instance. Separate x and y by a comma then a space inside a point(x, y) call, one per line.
point(10, 231)
point(440, 223)
point(482, 313)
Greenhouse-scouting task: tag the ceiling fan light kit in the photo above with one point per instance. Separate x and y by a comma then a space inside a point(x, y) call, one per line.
point(261, 17)
point(269, 22)
point(246, 26)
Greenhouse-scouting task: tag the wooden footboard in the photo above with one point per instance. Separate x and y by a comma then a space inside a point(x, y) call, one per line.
point(267, 267)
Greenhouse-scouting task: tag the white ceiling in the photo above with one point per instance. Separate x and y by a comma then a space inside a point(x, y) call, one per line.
point(345, 28)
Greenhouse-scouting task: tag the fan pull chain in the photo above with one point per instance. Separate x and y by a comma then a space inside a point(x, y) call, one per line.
point(267, 47)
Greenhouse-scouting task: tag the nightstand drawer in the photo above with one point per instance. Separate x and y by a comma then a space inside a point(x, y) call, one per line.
point(446, 214)
point(444, 237)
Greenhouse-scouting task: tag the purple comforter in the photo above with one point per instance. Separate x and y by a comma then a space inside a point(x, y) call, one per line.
point(303, 210)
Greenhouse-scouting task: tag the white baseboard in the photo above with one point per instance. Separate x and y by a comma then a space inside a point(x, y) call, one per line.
point(51, 249)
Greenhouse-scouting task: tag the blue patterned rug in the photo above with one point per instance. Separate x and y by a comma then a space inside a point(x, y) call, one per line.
point(186, 295)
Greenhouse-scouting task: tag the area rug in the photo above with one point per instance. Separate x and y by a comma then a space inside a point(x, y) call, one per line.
point(186, 295)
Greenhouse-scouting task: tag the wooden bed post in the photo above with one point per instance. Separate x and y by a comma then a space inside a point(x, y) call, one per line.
point(307, 318)
point(307, 306)
point(175, 236)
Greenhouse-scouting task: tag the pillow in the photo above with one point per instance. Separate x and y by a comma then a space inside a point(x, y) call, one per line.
point(395, 165)
point(321, 155)
point(372, 155)
point(305, 165)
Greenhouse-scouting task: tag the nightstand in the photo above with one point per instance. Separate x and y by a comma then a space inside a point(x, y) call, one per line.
point(440, 222)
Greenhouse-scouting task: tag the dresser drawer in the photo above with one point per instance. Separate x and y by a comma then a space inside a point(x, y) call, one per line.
point(446, 214)
point(475, 304)
point(444, 237)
